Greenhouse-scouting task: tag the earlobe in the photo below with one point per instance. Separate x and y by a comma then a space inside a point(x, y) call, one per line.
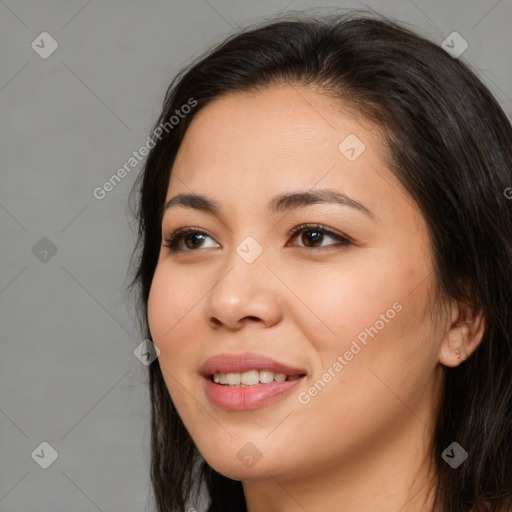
point(452, 352)
point(462, 337)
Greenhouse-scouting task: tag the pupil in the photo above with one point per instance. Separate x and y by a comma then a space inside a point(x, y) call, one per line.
point(317, 235)
point(193, 236)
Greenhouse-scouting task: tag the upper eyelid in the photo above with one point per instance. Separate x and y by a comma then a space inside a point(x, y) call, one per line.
point(297, 229)
point(178, 234)
point(311, 226)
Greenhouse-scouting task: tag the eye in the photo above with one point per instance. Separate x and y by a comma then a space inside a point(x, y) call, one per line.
point(312, 236)
point(192, 237)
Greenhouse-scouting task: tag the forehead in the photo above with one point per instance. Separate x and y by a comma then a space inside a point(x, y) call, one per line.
point(276, 133)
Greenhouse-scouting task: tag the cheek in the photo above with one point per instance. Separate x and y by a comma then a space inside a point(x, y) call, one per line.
point(170, 300)
point(375, 319)
point(391, 352)
point(340, 303)
point(170, 306)
point(366, 378)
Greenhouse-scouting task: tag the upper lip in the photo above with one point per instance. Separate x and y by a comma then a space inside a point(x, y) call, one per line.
point(239, 363)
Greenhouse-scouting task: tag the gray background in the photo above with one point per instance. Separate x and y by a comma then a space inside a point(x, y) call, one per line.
point(68, 374)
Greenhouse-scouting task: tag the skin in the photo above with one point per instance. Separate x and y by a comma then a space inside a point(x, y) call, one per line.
point(362, 443)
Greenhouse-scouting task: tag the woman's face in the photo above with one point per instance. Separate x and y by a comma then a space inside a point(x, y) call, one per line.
point(350, 315)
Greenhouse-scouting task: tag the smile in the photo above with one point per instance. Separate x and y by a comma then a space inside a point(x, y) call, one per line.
point(251, 378)
point(247, 381)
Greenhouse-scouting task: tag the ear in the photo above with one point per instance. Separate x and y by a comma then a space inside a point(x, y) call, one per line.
point(463, 334)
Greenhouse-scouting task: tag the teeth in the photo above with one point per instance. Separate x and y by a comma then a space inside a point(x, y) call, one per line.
point(220, 378)
point(250, 378)
point(233, 379)
point(266, 376)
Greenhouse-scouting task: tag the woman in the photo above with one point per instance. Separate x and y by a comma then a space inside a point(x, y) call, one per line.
point(325, 267)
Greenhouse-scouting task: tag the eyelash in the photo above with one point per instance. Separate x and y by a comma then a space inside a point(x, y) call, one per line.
point(172, 241)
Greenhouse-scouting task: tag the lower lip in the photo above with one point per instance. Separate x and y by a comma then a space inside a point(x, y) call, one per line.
point(251, 397)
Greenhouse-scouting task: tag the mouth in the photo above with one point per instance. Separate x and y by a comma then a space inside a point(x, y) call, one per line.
point(247, 381)
point(252, 378)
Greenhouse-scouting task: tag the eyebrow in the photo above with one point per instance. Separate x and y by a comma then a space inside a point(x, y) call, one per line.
point(280, 203)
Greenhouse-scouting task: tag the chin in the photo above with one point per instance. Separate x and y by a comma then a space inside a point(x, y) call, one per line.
point(237, 470)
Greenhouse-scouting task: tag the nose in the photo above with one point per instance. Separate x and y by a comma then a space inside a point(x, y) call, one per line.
point(243, 293)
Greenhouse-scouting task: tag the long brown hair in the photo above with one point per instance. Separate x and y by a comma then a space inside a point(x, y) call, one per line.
point(451, 148)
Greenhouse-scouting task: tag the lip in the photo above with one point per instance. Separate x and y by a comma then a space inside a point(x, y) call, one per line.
point(245, 399)
point(251, 397)
point(239, 363)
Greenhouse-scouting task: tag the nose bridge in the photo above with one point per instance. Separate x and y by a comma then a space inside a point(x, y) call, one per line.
point(243, 288)
point(246, 264)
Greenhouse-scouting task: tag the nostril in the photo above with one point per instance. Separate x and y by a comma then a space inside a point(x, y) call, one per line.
point(215, 322)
